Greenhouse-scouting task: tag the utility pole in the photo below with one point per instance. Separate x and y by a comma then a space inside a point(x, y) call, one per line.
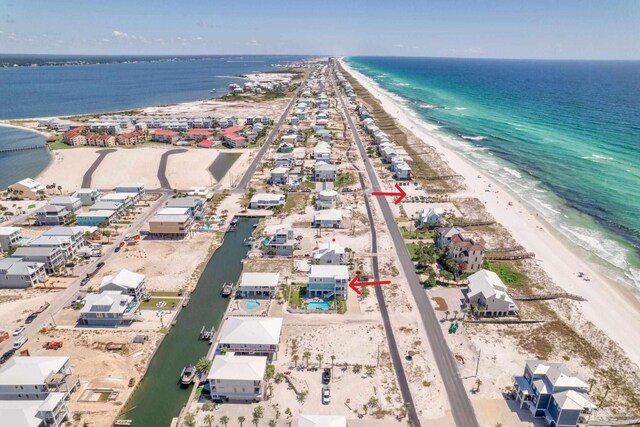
point(478, 364)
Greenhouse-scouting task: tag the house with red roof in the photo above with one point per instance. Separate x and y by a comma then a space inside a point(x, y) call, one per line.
point(100, 140)
point(231, 138)
point(164, 135)
point(197, 134)
point(206, 143)
point(75, 136)
point(467, 248)
point(131, 138)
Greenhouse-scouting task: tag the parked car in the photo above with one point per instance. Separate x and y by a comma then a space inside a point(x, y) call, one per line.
point(30, 318)
point(117, 249)
point(99, 265)
point(326, 376)
point(18, 331)
point(20, 342)
point(84, 281)
point(6, 355)
point(326, 395)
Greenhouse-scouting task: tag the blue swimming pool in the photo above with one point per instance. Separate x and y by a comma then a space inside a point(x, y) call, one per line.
point(319, 305)
point(251, 304)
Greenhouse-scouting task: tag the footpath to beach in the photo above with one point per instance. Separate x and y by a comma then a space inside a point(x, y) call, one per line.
point(609, 306)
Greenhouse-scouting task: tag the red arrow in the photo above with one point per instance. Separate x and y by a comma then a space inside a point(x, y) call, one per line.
point(353, 285)
point(400, 194)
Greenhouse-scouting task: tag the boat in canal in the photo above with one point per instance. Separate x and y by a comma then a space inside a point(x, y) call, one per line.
point(187, 375)
point(227, 289)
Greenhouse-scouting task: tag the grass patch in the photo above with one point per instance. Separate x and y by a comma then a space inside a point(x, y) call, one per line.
point(152, 304)
point(417, 233)
point(412, 248)
point(294, 296)
point(507, 274)
point(296, 202)
point(344, 180)
point(60, 145)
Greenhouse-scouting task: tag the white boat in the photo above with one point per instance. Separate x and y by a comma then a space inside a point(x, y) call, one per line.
point(212, 91)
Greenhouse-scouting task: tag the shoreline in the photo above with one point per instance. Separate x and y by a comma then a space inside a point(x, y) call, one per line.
point(619, 317)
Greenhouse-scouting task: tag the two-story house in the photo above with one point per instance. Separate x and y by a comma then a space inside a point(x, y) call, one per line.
point(17, 273)
point(237, 378)
point(258, 285)
point(467, 249)
point(52, 215)
point(108, 309)
point(75, 234)
point(329, 253)
point(71, 203)
point(10, 237)
point(488, 296)
point(552, 391)
point(281, 243)
point(250, 336)
point(127, 283)
point(52, 257)
point(87, 196)
point(194, 205)
point(328, 281)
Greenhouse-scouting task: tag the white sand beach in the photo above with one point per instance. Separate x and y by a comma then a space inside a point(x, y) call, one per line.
point(609, 306)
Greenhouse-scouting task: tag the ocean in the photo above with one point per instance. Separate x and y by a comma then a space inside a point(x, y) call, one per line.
point(66, 85)
point(564, 135)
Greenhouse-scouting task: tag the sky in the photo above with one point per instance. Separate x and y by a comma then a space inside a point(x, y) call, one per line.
point(543, 29)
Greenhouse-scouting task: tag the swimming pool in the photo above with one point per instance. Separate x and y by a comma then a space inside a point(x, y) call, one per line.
point(251, 304)
point(319, 305)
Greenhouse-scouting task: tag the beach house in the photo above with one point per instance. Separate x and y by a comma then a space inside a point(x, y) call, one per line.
point(131, 187)
point(279, 175)
point(198, 134)
point(170, 225)
point(237, 378)
point(487, 295)
point(467, 249)
point(281, 243)
point(258, 285)
point(71, 203)
point(27, 189)
point(444, 235)
point(284, 160)
point(402, 171)
point(250, 336)
point(266, 200)
point(75, 136)
point(195, 205)
point(430, 217)
point(322, 421)
point(550, 390)
point(165, 136)
point(231, 138)
point(75, 235)
point(329, 253)
point(87, 196)
point(18, 273)
point(127, 199)
point(64, 243)
point(131, 138)
point(285, 147)
point(108, 309)
point(96, 218)
point(116, 207)
point(326, 199)
point(100, 140)
point(328, 218)
point(10, 237)
point(322, 152)
point(52, 215)
point(127, 283)
point(34, 391)
point(52, 257)
point(328, 281)
point(322, 172)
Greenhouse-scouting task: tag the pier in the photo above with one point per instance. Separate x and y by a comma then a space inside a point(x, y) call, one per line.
point(29, 147)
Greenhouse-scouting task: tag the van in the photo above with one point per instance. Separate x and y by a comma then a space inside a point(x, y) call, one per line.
point(20, 342)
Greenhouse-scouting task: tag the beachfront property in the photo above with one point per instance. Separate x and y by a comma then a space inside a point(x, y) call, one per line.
point(131, 138)
point(250, 336)
point(328, 281)
point(127, 283)
point(326, 199)
point(52, 215)
point(329, 253)
point(71, 203)
point(131, 187)
point(74, 234)
point(328, 218)
point(279, 175)
point(197, 134)
point(430, 217)
point(266, 200)
point(116, 207)
point(231, 138)
point(52, 257)
point(87, 196)
point(64, 243)
point(75, 136)
point(322, 171)
point(281, 243)
point(165, 136)
point(27, 189)
point(127, 199)
point(195, 206)
point(34, 391)
point(444, 235)
point(467, 249)
point(237, 378)
point(108, 309)
point(487, 295)
point(96, 218)
point(100, 140)
point(322, 421)
point(402, 171)
point(10, 237)
point(552, 391)
point(258, 285)
point(170, 225)
point(17, 273)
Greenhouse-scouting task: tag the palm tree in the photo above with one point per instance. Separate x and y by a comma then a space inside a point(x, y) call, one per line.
point(333, 359)
point(446, 315)
point(306, 357)
point(241, 420)
point(59, 189)
point(258, 413)
point(224, 420)
point(478, 384)
point(272, 423)
point(295, 359)
point(455, 314)
point(209, 419)
point(319, 358)
point(203, 365)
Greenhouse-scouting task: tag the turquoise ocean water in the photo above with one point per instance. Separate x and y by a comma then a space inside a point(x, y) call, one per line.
point(564, 135)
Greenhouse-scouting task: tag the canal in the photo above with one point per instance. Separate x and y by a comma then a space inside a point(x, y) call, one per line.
point(222, 164)
point(159, 397)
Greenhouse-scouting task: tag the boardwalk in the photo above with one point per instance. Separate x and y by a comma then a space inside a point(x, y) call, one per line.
point(88, 175)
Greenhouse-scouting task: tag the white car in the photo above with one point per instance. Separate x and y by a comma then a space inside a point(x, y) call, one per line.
point(18, 331)
point(326, 395)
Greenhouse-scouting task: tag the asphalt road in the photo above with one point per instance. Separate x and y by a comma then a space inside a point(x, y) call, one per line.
point(65, 297)
point(244, 182)
point(162, 167)
point(461, 407)
point(88, 175)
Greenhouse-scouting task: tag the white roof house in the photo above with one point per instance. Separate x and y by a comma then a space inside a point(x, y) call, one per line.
point(252, 331)
point(258, 284)
point(266, 200)
point(487, 290)
point(33, 370)
point(322, 421)
point(329, 253)
point(431, 216)
point(29, 413)
point(125, 281)
point(327, 218)
point(247, 368)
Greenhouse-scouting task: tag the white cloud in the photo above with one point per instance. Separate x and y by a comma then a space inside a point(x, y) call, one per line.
point(198, 38)
point(121, 34)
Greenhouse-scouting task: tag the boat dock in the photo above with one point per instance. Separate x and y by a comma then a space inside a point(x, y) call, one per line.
point(207, 334)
